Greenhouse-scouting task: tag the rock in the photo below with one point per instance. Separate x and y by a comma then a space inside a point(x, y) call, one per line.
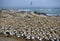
point(36, 12)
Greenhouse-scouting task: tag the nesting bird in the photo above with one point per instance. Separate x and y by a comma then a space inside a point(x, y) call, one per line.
point(8, 33)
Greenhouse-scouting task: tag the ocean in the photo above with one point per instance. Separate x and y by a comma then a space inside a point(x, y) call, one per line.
point(48, 11)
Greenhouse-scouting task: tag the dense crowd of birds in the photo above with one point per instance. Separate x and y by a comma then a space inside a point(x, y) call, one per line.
point(30, 26)
point(32, 33)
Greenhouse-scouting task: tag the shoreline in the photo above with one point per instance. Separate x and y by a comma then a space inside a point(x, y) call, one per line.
point(29, 10)
point(32, 10)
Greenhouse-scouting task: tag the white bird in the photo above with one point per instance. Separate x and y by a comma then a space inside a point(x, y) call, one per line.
point(52, 39)
point(6, 33)
point(3, 28)
point(46, 38)
point(18, 35)
point(28, 37)
point(40, 39)
point(37, 36)
point(22, 34)
point(32, 37)
point(57, 39)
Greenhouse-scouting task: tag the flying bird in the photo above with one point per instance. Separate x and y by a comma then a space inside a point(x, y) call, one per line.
point(31, 3)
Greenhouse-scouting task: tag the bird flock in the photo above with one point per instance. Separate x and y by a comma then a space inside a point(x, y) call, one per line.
point(32, 33)
point(30, 26)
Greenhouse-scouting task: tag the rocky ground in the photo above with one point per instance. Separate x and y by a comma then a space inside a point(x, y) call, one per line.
point(40, 24)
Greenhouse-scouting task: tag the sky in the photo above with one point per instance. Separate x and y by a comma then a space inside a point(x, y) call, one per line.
point(26, 3)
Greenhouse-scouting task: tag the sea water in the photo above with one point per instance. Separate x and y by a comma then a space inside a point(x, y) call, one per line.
point(48, 11)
